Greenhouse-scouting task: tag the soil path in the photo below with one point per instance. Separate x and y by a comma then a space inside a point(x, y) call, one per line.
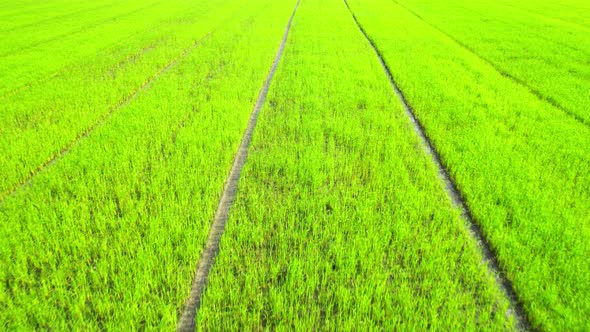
point(187, 320)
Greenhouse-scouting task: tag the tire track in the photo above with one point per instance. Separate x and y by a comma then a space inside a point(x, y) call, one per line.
point(516, 309)
point(78, 31)
point(66, 67)
point(61, 16)
point(132, 58)
point(194, 109)
point(187, 321)
point(102, 119)
point(532, 90)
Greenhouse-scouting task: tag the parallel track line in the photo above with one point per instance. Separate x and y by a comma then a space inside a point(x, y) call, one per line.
point(453, 192)
point(102, 119)
point(502, 72)
point(187, 320)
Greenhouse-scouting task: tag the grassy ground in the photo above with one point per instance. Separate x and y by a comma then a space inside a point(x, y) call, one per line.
point(549, 57)
point(520, 162)
point(340, 220)
point(109, 236)
point(42, 117)
point(572, 12)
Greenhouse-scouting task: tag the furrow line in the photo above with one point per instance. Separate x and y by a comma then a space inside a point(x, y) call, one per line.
point(64, 68)
point(476, 13)
point(490, 257)
point(102, 119)
point(187, 321)
point(78, 31)
point(502, 72)
point(45, 20)
point(510, 5)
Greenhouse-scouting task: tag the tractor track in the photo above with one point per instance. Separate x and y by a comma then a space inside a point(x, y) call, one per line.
point(85, 28)
point(516, 308)
point(64, 69)
point(187, 321)
point(530, 89)
point(102, 119)
point(57, 17)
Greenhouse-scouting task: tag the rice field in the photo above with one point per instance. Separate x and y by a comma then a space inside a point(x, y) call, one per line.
point(295, 165)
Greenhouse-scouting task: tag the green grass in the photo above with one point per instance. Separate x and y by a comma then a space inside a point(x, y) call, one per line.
point(550, 57)
point(521, 164)
point(573, 12)
point(33, 51)
point(39, 121)
point(109, 236)
point(340, 220)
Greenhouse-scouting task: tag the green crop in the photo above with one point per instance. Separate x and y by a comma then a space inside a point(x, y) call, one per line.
point(548, 56)
point(39, 120)
point(340, 221)
point(109, 235)
point(120, 121)
point(521, 164)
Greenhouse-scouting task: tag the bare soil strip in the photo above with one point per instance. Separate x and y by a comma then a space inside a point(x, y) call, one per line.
point(187, 320)
point(502, 72)
point(453, 192)
point(102, 119)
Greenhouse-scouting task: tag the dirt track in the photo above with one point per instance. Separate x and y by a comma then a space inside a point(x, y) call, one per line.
point(454, 194)
point(187, 321)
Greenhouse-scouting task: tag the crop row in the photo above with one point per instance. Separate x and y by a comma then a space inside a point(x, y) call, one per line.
point(571, 12)
point(548, 57)
point(520, 163)
point(82, 39)
point(38, 123)
point(120, 122)
point(340, 222)
point(109, 235)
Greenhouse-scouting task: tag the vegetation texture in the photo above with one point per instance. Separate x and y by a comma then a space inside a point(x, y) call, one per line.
point(340, 222)
point(109, 235)
point(120, 121)
point(521, 163)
